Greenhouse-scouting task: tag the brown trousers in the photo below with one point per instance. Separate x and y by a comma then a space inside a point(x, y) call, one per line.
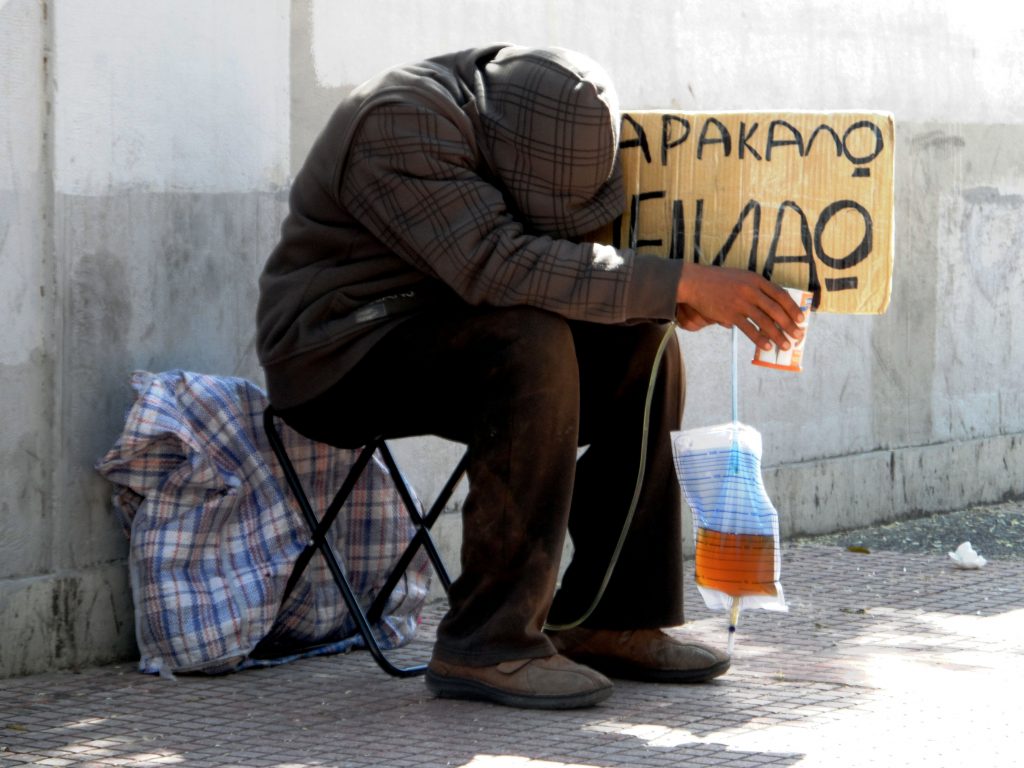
point(523, 388)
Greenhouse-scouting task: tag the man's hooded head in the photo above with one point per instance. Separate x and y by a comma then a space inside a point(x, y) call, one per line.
point(550, 123)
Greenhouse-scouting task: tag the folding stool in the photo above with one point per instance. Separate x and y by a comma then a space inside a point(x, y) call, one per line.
point(320, 526)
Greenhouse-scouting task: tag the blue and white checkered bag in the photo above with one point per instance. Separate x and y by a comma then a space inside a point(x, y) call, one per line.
point(214, 531)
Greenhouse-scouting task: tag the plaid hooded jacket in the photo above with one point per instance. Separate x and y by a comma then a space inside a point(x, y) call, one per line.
point(471, 177)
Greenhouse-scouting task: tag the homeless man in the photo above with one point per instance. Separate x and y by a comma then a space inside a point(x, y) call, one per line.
point(433, 277)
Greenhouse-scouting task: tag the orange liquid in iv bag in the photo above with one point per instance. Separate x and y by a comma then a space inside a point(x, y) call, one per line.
point(736, 564)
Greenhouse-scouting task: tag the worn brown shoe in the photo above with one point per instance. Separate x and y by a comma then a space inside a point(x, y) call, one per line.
point(552, 682)
point(649, 655)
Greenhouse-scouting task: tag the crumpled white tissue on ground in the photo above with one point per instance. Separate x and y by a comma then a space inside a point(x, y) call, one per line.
point(966, 557)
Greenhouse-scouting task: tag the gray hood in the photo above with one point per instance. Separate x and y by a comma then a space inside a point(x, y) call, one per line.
point(550, 124)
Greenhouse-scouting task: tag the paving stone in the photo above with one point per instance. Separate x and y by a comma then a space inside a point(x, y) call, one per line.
point(887, 658)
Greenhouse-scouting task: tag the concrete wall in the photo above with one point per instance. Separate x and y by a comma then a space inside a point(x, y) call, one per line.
point(143, 175)
point(145, 153)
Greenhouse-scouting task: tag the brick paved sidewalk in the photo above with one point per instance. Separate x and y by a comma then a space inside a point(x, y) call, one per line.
point(884, 660)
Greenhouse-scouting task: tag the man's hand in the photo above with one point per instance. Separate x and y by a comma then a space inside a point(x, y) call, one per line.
point(690, 319)
point(735, 297)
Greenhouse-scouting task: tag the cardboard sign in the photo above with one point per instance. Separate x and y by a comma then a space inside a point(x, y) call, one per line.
point(804, 199)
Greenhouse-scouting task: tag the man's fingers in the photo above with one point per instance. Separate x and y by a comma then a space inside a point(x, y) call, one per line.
point(690, 319)
point(753, 333)
point(770, 308)
point(768, 331)
point(784, 311)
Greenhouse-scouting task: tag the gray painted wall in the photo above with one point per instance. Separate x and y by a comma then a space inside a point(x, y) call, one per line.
point(145, 153)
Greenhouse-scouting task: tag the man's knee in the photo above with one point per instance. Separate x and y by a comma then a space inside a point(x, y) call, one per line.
point(536, 341)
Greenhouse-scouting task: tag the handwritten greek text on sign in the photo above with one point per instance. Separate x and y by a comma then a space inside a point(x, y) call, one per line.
point(805, 199)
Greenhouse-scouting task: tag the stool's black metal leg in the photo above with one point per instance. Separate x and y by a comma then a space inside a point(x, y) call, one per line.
point(320, 541)
point(422, 534)
point(319, 529)
point(414, 515)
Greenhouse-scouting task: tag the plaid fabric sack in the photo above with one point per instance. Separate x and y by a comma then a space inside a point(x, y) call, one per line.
point(214, 531)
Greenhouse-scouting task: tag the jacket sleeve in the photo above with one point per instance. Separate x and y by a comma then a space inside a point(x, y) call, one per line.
point(411, 179)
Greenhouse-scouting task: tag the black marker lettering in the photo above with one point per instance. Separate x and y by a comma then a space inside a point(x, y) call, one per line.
point(840, 283)
point(698, 222)
point(745, 138)
point(875, 151)
point(723, 137)
point(678, 230)
point(831, 132)
point(639, 141)
point(806, 257)
point(773, 142)
point(858, 254)
point(634, 214)
point(751, 207)
point(666, 130)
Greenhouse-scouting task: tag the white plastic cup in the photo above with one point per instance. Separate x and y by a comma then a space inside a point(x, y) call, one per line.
point(788, 359)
